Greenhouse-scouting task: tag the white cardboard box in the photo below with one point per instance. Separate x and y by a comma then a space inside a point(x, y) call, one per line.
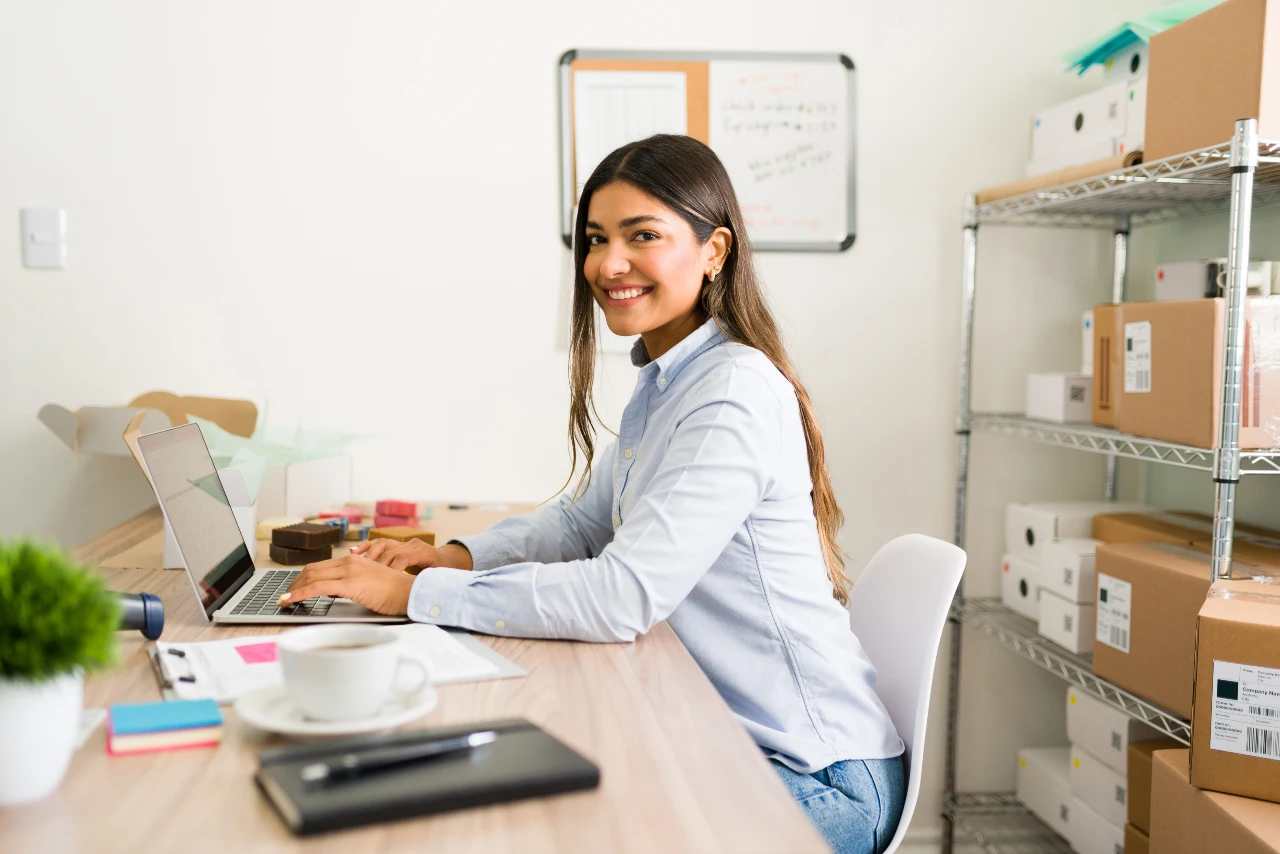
point(1068, 569)
point(1020, 585)
point(1099, 786)
point(1128, 65)
point(1061, 398)
point(1184, 280)
point(1044, 784)
point(1068, 624)
point(1086, 343)
point(1103, 731)
point(301, 489)
point(246, 518)
point(1085, 151)
point(1135, 117)
point(1090, 833)
point(1076, 124)
point(1029, 527)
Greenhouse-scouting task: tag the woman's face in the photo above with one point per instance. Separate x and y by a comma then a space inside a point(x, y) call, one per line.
point(645, 266)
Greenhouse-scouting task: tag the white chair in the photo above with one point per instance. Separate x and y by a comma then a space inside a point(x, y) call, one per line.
point(898, 609)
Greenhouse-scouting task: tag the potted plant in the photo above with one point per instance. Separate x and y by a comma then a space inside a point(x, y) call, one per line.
point(57, 621)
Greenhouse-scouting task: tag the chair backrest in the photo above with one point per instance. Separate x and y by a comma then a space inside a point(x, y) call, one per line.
point(898, 609)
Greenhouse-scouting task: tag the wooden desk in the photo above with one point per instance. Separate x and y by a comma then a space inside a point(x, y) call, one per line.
point(677, 771)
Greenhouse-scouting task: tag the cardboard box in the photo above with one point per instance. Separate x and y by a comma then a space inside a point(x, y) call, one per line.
point(1173, 372)
point(1173, 528)
point(1086, 343)
point(1068, 624)
point(1148, 598)
point(1235, 730)
point(1084, 151)
point(1209, 71)
point(99, 429)
point(1128, 65)
point(1135, 132)
point(1044, 784)
point(1108, 363)
point(1061, 398)
point(1099, 785)
point(1187, 820)
point(1073, 131)
point(301, 489)
point(1188, 280)
point(1138, 780)
point(1105, 732)
point(1135, 841)
point(246, 518)
point(1090, 833)
point(1029, 527)
point(1068, 569)
point(1019, 585)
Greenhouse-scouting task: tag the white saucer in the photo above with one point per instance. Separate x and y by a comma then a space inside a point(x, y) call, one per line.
point(268, 708)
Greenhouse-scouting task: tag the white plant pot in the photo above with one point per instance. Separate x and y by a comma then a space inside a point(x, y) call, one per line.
point(39, 722)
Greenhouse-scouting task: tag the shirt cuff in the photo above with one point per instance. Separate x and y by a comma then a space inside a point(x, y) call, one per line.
point(438, 596)
point(488, 551)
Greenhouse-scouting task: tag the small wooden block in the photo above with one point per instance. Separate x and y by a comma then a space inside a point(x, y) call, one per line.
point(306, 535)
point(298, 557)
point(403, 534)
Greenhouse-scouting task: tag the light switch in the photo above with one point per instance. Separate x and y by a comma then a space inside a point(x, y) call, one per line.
point(44, 238)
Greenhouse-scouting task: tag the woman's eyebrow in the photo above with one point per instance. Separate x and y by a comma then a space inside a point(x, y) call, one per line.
point(628, 222)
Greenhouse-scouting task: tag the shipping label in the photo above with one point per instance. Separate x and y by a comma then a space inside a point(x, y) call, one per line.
point(1246, 710)
point(1115, 606)
point(1137, 357)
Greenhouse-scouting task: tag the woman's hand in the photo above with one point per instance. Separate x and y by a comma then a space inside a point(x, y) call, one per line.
point(413, 556)
point(355, 577)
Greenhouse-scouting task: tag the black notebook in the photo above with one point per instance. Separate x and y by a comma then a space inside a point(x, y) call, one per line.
point(522, 762)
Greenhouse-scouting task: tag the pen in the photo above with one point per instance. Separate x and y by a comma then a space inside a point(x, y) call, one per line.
point(354, 764)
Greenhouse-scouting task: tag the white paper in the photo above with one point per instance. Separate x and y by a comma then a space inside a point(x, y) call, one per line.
point(1115, 608)
point(612, 108)
point(1137, 357)
point(782, 132)
point(1246, 710)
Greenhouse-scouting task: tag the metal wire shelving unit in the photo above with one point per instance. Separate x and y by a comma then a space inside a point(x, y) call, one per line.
point(1234, 177)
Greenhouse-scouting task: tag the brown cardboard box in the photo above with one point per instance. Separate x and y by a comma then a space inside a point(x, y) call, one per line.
point(1185, 372)
point(1106, 165)
point(1187, 820)
point(1209, 71)
point(1135, 841)
point(1166, 587)
point(1138, 780)
point(1108, 362)
point(1235, 731)
point(97, 429)
point(1170, 528)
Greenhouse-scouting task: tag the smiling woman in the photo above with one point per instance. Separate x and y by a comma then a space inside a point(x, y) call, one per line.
point(712, 510)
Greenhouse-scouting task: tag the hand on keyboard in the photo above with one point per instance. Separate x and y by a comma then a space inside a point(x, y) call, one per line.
point(353, 577)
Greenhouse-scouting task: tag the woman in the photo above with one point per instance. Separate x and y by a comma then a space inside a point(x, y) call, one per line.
point(713, 509)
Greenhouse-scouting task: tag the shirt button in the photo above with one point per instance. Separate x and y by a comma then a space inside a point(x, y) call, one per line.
point(617, 520)
point(435, 610)
point(501, 624)
point(628, 453)
point(662, 381)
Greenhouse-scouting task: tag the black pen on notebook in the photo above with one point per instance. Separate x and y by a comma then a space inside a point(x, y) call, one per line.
point(354, 764)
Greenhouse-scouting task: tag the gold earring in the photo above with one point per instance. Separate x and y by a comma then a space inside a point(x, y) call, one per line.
point(714, 273)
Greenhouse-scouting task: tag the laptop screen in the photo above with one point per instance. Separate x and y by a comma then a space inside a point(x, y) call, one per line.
point(199, 513)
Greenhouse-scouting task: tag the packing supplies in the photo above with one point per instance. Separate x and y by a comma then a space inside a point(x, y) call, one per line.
point(1068, 624)
point(1090, 833)
point(382, 520)
point(1173, 372)
point(1086, 343)
point(1029, 527)
point(266, 526)
point(1135, 125)
point(1188, 280)
point(151, 727)
point(1135, 841)
point(1103, 731)
point(1108, 363)
point(1061, 398)
point(1079, 130)
point(391, 507)
point(1100, 786)
point(1019, 586)
point(306, 535)
point(403, 534)
point(1044, 784)
point(1067, 569)
point(1187, 820)
point(1235, 728)
point(1138, 780)
point(1174, 528)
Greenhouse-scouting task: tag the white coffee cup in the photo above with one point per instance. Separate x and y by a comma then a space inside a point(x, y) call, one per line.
point(345, 672)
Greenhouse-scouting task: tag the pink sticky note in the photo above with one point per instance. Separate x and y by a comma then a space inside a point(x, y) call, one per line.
point(258, 653)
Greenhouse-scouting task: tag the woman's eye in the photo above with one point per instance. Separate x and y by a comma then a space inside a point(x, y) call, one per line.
point(596, 240)
point(645, 236)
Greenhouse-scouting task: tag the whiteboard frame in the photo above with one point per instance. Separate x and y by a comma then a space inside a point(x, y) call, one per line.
point(566, 131)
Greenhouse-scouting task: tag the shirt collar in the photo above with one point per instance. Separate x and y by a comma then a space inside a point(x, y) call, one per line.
point(670, 363)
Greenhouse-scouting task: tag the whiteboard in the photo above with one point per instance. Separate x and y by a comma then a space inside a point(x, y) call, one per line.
point(782, 124)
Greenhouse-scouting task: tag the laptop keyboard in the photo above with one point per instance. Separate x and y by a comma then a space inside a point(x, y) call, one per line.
point(261, 600)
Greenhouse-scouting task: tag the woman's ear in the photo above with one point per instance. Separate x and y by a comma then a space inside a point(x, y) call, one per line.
point(717, 248)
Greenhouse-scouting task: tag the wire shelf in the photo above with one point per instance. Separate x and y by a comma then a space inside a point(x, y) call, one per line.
point(1002, 825)
point(1186, 185)
point(1017, 633)
point(1100, 440)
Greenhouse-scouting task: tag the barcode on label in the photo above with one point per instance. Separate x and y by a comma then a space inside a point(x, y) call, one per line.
point(1067, 622)
point(1119, 637)
point(1261, 741)
point(1142, 380)
point(1264, 711)
point(1115, 740)
point(1120, 794)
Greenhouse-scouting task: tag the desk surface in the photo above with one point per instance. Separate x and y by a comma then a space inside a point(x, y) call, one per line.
point(677, 771)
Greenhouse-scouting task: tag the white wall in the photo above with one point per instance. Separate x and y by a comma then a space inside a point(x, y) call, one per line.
point(351, 210)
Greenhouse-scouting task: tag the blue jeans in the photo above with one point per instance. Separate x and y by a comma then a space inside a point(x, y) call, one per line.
point(856, 803)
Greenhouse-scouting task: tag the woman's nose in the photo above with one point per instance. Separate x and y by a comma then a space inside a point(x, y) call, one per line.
point(615, 262)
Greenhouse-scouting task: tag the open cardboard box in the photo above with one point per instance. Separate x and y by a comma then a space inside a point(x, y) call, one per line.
point(98, 429)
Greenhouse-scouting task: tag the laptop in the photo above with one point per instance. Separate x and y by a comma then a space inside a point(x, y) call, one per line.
point(219, 562)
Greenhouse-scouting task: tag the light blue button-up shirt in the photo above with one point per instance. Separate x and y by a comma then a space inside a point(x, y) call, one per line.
point(701, 514)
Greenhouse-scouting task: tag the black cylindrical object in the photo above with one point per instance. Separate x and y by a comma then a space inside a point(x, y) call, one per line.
point(142, 611)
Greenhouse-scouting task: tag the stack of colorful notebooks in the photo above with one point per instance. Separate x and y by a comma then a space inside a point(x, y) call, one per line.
point(173, 725)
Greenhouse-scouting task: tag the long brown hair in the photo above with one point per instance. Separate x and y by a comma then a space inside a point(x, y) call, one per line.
point(688, 177)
